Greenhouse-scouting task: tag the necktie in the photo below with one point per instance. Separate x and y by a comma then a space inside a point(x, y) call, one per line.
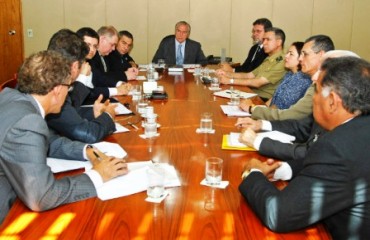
point(255, 53)
point(103, 62)
point(179, 58)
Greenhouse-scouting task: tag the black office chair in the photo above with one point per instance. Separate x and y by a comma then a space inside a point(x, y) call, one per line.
point(216, 59)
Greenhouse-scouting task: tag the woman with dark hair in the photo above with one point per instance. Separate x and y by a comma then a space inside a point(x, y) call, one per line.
point(294, 84)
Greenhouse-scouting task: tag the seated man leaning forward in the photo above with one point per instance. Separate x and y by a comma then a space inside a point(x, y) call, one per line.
point(43, 83)
point(265, 78)
point(332, 183)
point(179, 49)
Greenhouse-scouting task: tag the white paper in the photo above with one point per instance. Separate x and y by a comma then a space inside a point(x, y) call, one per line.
point(191, 65)
point(223, 184)
point(227, 94)
point(121, 109)
point(135, 181)
point(120, 128)
point(234, 111)
point(233, 140)
point(62, 165)
point(148, 87)
point(140, 78)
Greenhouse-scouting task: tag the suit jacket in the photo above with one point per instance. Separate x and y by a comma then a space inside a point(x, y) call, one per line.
point(299, 110)
point(117, 61)
point(78, 123)
point(332, 185)
point(109, 78)
point(305, 130)
point(249, 65)
point(167, 51)
point(24, 143)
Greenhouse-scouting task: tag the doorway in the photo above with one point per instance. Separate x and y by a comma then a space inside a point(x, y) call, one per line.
point(11, 38)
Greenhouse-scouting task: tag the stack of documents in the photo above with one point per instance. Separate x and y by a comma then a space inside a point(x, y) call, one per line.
point(231, 141)
point(135, 181)
point(62, 165)
point(234, 111)
point(227, 94)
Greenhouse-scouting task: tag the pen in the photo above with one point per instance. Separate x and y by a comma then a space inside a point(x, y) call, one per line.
point(132, 125)
point(97, 155)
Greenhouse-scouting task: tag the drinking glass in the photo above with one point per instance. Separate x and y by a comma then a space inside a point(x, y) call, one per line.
point(213, 170)
point(206, 122)
point(156, 177)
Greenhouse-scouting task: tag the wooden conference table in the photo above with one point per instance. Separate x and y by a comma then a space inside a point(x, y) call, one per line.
point(191, 211)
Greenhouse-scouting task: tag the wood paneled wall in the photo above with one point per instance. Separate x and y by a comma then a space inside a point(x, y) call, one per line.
point(215, 23)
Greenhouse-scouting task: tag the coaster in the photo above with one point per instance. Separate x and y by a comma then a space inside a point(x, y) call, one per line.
point(222, 185)
point(215, 88)
point(157, 200)
point(145, 137)
point(202, 131)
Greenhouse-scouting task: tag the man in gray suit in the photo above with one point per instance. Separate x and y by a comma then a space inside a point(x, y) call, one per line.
point(179, 49)
point(25, 142)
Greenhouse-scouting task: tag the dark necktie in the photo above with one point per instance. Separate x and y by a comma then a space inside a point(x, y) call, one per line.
point(104, 64)
point(255, 53)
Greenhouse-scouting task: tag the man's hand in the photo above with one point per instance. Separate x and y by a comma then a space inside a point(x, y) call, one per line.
point(100, 107)
point(226, 67)
point(110, 167)
point(248, 122)
point(124, 89)
point(247, 136)
point(267, 168)
point(131, 73)
point(245, 104)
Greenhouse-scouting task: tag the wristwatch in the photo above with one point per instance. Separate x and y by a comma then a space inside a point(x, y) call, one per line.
point(231, 80)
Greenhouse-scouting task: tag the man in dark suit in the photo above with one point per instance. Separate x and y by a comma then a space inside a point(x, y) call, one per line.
point(92, 124)
point(179, 49)
point(109, 74)
point(256, 55)
point(123, 48)
point(25, 141)
point(332, 183)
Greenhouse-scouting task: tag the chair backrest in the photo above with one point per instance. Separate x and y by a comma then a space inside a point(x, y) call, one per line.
point(11, 83)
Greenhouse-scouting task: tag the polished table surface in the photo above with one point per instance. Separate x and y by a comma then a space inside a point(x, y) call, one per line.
point(191, 211)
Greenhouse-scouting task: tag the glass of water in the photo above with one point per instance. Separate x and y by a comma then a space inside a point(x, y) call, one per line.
point(213, 170)
point(206, 122)
point(156, 178)
point(150, 129)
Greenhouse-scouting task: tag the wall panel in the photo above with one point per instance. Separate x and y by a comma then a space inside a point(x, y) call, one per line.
point(44, 17)
point(360, 41)
point(211, 25)
point(131, 16)
point(294, 18)
point(334, 18)
point(243, 14)
point(84, 13)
